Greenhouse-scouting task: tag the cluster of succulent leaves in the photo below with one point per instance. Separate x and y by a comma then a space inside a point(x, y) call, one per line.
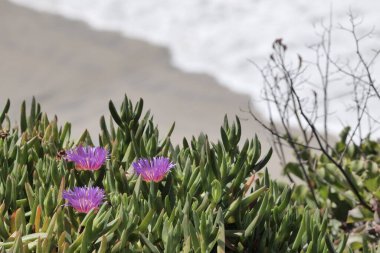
point(214, 200)
point(359, 222)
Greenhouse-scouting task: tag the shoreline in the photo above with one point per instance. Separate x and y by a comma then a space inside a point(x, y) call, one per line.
point(74, 70)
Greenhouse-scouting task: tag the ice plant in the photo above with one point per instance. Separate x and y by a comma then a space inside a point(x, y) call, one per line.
point(152, 169)
point(84, 199)
point(87, 158)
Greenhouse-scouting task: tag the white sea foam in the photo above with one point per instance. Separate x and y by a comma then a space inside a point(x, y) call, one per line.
point(219, 37)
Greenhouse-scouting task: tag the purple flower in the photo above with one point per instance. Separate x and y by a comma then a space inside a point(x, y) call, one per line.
point(87, 158)
point(84, 199)
point(152, 169)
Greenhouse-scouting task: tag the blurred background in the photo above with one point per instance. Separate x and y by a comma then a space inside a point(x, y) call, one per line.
point(191, 61)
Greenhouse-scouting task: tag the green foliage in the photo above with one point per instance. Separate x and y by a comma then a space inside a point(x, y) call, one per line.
point(361, 162)
point(214, 200)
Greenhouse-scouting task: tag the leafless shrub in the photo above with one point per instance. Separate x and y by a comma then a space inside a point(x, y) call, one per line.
point(304, 120)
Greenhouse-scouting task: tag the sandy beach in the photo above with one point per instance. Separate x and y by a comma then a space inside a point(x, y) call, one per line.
point(73, 71)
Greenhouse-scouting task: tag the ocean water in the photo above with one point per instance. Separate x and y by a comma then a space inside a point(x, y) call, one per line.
point(222, 37)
